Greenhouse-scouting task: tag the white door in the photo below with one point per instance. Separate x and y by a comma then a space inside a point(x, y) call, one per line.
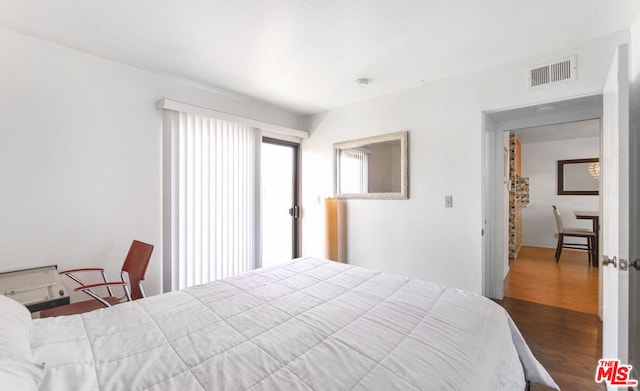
point(615, 208)
point(634, 199)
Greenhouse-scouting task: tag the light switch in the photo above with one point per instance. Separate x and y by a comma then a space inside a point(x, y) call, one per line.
point(448, 201)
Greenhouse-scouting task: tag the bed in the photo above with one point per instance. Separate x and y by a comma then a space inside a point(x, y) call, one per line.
point(309, 324)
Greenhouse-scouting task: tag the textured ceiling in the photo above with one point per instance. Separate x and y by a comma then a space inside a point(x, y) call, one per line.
point(305, 55)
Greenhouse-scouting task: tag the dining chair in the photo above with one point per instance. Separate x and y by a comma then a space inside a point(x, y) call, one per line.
point(564, 232)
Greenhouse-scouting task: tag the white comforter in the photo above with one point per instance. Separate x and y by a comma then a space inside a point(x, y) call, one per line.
point(308, 325)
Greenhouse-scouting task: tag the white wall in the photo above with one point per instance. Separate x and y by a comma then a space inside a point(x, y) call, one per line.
point(419, 237)
point(539, 163)
point(80, 155)
point(80, 160)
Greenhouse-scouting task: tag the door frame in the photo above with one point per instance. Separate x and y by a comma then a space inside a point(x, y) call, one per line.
point(494, 123)
point(295, 221)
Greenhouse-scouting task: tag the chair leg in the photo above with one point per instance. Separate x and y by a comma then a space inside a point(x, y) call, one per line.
point(559, 247)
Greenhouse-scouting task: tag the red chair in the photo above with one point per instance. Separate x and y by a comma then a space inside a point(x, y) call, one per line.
point(135, 265)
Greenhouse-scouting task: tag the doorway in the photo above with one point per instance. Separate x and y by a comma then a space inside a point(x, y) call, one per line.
point(534, 155)
point(496, 238)
point(496, 208)
point(280, 210)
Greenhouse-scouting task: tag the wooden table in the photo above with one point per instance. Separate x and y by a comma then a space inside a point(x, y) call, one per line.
point(594, 216)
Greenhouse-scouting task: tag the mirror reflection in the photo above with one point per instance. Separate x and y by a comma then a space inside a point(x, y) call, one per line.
point(374, 167)
point(578, 176)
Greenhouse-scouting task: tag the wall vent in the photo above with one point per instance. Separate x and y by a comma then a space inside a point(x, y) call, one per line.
point(552, 72)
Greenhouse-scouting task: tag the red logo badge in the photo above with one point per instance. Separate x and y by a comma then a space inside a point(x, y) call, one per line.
point(614, 373)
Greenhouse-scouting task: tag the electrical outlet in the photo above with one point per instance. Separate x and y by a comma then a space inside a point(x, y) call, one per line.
point(448, 201)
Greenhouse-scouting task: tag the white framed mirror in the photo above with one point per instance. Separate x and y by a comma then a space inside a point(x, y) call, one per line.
point(372, 168)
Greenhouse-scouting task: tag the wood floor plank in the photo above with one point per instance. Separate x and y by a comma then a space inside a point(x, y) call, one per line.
point(571, 283)
point(554, 304)
point(567, 343)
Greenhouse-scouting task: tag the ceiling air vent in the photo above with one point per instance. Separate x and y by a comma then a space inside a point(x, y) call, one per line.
point(552, 72)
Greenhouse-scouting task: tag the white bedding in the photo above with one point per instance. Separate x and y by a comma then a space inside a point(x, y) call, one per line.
point(307, 325)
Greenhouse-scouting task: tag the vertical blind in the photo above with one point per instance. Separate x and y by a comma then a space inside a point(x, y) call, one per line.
point(211, 199)
point(354, 171)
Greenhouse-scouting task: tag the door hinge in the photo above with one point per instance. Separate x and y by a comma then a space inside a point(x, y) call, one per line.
point(294, 212)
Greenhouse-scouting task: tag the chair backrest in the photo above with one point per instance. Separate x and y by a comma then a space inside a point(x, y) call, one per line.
point(556, 214)
point(136, 266)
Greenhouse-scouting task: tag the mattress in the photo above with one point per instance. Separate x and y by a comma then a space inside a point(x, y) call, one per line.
point(309, 324)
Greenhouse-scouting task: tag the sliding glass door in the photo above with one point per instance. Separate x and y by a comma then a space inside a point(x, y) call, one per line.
point(280, 210)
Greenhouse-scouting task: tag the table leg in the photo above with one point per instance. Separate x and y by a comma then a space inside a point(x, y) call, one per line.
point(596, 230)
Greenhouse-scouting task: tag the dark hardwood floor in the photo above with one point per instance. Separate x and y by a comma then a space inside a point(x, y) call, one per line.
point(567, 342)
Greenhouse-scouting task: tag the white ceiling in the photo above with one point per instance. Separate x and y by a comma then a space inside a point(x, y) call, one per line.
point(564, 131)
point(305, 55)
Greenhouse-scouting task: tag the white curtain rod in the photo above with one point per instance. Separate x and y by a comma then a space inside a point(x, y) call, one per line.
point(169, 104)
